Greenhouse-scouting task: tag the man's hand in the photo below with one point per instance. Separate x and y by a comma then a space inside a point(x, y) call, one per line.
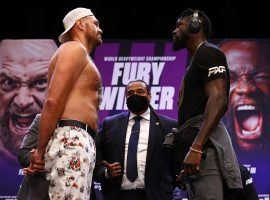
point(114, 169)
point(180, 179)
point(192, 162)
point(36, 164)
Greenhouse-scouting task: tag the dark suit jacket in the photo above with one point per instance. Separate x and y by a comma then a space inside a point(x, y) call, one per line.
point(159, 174)
point(36, 186)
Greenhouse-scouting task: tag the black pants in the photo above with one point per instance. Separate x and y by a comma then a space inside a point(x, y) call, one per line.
point(138, 194)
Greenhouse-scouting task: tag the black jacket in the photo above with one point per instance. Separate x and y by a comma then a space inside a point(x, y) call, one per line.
point(248, 192)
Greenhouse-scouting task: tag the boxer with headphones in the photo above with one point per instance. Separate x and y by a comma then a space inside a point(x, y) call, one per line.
point(202, 103)
point(195, 23)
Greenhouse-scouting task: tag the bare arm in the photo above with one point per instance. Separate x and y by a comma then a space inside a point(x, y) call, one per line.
point(215, 107)
point(70, 62)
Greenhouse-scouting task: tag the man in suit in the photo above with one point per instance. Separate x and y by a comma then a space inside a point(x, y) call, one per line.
point(33, 186)
point(152, 177)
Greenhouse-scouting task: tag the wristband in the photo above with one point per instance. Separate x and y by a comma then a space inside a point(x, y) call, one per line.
point(195, 150)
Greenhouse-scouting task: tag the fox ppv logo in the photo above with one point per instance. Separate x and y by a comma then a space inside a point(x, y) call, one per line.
point(215, 70)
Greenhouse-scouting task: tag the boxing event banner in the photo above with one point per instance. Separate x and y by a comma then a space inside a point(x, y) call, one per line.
point(154, 62)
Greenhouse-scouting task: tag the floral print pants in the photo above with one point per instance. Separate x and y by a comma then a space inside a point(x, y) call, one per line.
point(70, 160)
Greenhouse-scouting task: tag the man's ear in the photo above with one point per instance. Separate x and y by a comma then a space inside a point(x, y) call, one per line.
point(79, 24)
point(149, 97)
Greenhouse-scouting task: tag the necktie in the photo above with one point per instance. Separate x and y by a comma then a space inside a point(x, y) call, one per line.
point(132, 172)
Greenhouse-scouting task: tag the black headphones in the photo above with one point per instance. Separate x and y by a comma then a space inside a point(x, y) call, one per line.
point(195, 23)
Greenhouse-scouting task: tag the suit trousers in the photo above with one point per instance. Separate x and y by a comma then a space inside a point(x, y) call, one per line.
point(138, 194)
point(34, 187)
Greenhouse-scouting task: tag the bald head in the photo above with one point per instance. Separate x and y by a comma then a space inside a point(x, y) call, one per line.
point(34, 49)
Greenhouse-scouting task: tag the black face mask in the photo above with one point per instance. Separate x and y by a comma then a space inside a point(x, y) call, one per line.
point(137, 103)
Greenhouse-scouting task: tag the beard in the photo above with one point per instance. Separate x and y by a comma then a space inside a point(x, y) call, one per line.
point(14, 125)
point(179, 41)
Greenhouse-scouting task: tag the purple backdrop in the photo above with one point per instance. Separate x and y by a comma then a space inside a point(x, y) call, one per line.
point(156, 63)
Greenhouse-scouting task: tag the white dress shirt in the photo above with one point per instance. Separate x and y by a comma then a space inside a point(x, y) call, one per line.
point(141, 152)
